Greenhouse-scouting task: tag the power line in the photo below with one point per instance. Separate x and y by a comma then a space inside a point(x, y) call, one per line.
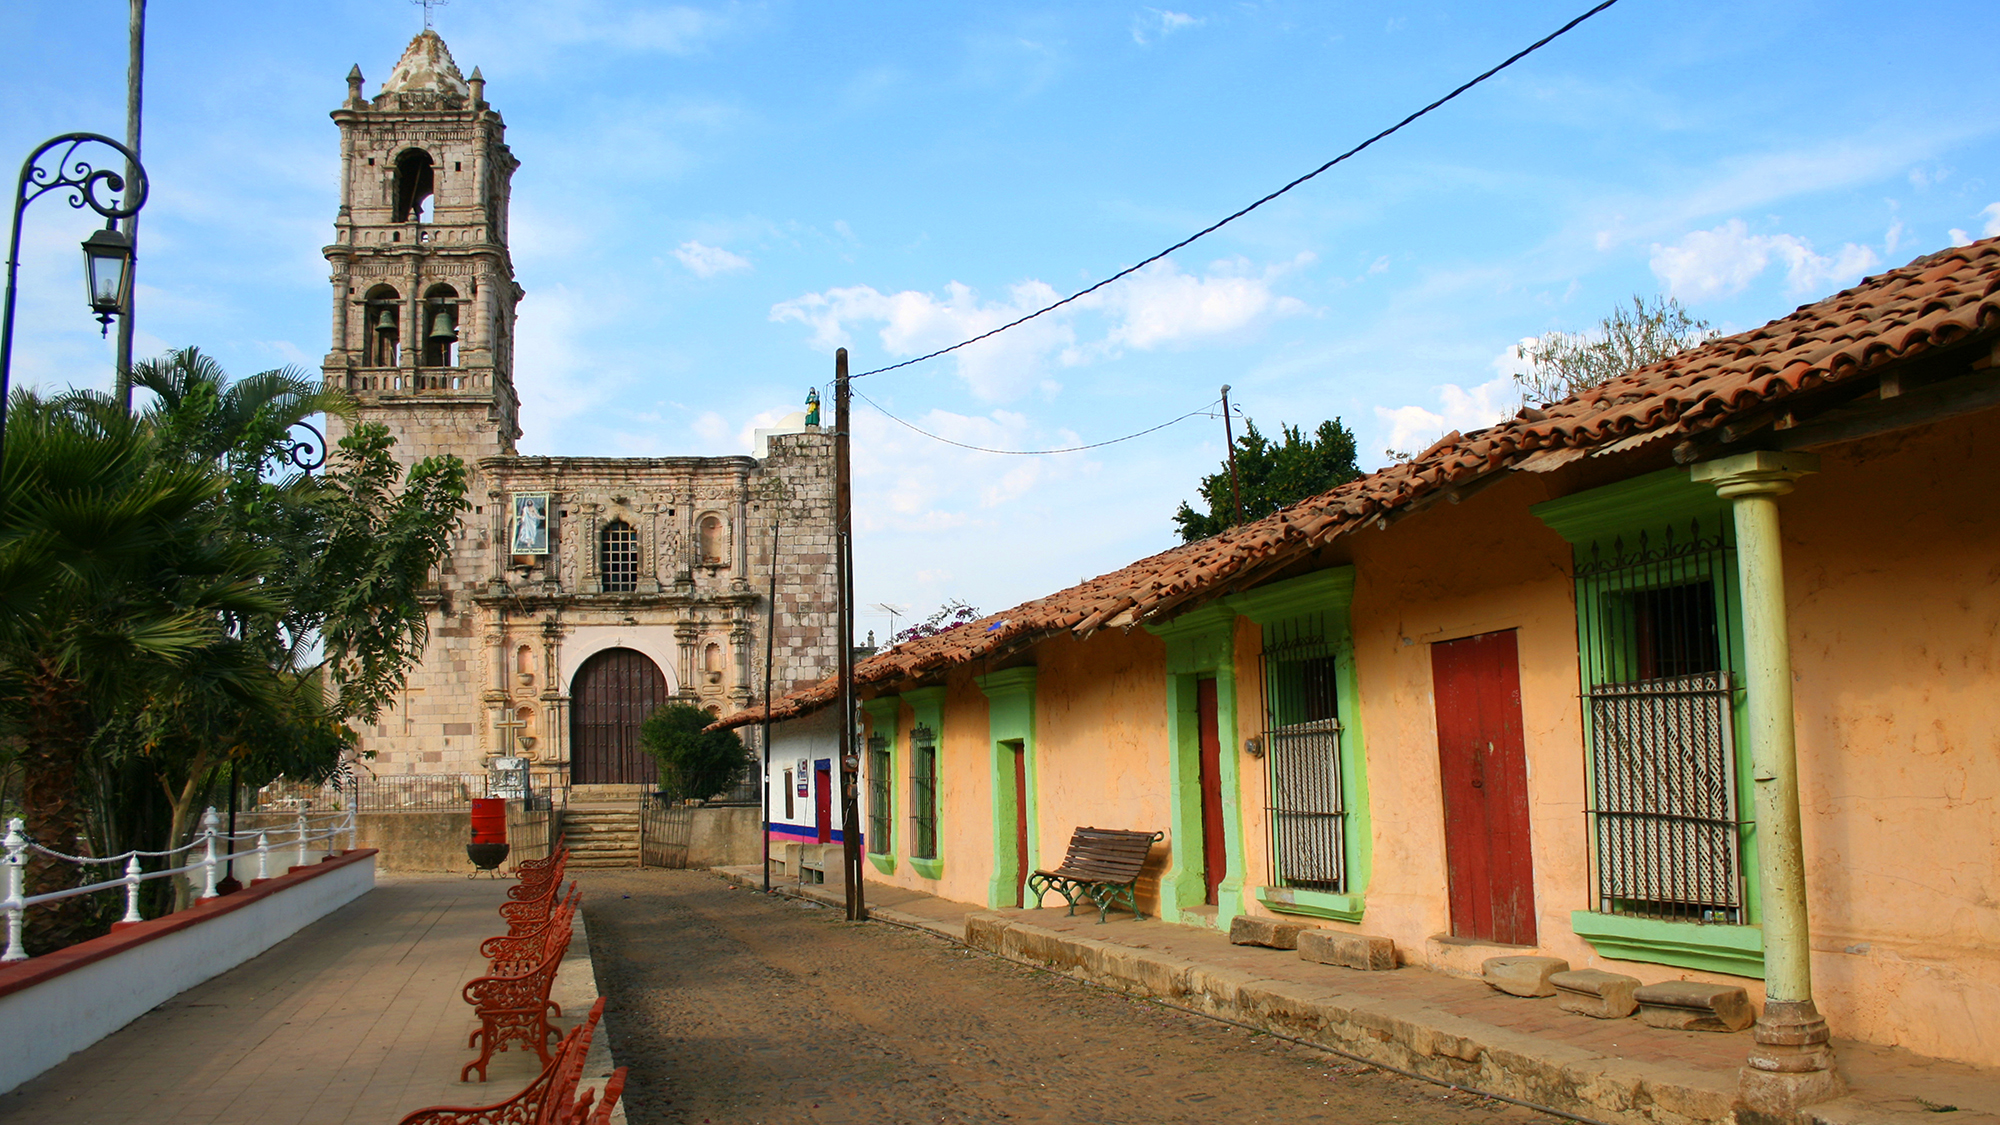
point(1030, 452)
point(1219, 224)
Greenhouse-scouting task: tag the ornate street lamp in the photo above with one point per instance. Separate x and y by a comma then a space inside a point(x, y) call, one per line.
point(107, 253)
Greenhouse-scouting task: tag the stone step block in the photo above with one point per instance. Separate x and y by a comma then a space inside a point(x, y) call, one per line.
point(1687, 1005)
point(1594, 992)
point(1350, 951)
point(1272, 933)
point(1523, 974)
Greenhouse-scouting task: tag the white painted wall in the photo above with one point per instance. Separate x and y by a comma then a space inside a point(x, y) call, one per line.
point(656, 641)
point(814, 737)
point(47, 1022)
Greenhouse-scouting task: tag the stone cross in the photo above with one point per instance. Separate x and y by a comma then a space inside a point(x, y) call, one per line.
point(427, 5)
point(508, 726)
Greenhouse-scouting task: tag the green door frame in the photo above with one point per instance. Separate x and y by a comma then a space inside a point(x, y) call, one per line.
point(1010, 718)
point(1200, 644)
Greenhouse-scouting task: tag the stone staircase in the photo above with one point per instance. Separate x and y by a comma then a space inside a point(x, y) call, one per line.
point(602, 835)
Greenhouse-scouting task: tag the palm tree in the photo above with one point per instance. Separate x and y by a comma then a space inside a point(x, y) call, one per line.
point(116, 577)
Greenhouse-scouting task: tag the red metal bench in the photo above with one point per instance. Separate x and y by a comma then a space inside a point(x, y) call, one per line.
point(514, 1007)
point(548, 1099)
point(537, 876)
point(512, 953)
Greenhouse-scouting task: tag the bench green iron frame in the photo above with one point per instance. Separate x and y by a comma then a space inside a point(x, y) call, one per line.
point(1101, 868)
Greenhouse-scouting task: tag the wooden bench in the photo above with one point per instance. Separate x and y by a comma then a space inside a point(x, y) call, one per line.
point(546, 1100)
point(514, 1007)
point(1101, 868)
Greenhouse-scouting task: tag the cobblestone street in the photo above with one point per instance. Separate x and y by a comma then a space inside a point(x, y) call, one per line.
point(732, 1007)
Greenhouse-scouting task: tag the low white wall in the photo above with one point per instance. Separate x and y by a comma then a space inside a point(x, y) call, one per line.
point(47, 1021)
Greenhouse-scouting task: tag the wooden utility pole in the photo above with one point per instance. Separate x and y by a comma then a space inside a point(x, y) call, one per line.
point(135, 69)
point(1229, 437)
point(843, 545)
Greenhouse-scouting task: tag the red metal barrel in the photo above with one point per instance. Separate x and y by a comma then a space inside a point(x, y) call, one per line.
point(489, 820)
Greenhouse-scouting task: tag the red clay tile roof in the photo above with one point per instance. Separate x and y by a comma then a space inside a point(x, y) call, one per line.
point(1936, 301)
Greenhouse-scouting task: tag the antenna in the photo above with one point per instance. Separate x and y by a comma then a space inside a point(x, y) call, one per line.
point(427, 5)
point(894, 611)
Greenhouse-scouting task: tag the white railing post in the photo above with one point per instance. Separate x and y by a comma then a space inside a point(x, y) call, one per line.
point(302, 837)
point(263, 855)
point(353, 832)
point(209, 821)
point(132, 891)
point(17, 848)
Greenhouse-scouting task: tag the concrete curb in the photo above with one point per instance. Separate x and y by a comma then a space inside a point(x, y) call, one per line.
point(575, 989)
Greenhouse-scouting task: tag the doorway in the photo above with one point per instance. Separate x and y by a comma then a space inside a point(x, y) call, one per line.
point(1483, 771)
point(614, 691)
point(1214, 852)
point(823, 799)
point(1017, 751)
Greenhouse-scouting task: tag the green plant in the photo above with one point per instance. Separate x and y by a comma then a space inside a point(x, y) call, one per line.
point(1271, 475)
point(694, 761)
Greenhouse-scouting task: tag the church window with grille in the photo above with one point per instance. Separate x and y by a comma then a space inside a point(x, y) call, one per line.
point(1654, 620)
point(618, 554)
point(1301, 743)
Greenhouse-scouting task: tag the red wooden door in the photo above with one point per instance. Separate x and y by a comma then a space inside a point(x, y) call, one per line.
point(1020, 824)
point(612, 694)
point(1484, 769)
point(1214, 856)
point(823, 799)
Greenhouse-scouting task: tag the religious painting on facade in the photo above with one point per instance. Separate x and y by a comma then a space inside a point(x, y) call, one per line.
point(531, 523)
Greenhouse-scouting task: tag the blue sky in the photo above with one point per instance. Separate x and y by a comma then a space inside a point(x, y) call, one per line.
point(712, 197)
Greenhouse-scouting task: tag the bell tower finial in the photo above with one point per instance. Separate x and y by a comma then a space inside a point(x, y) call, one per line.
point(427, 5)
point(424, 290)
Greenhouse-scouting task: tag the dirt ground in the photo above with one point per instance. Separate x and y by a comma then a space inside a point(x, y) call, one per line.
point(729, 1006)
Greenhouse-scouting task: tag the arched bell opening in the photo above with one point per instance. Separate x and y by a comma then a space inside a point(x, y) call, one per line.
point(416, 180)
point(383, 312)
point(440, 326)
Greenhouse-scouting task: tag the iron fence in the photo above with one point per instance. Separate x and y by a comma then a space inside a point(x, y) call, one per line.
point(1659, 695)
point(665, 828)
point(364, 792)
point(1308, 820)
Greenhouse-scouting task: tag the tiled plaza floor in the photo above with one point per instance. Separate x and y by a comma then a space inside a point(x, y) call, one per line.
point(356, 1018)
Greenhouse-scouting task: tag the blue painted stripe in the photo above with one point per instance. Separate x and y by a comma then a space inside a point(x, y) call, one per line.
point(807, 832)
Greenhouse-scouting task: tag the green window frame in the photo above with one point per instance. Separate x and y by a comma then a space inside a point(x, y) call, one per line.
point(1312, 700)
point(926, 853)
point(879, 840)
point(1672, 851)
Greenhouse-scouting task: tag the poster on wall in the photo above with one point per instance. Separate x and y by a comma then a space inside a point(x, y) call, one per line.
point(531, 523)
point(805, 778)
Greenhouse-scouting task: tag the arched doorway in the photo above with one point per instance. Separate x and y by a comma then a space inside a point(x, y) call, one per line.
point(612, 694)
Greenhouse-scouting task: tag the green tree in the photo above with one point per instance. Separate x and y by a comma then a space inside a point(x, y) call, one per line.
point(694, 761)
point(1271, 475)
point(118, 580)
point(1559, 365)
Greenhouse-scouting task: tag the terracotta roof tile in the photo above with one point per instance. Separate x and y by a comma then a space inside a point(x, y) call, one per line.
point(1933, 302)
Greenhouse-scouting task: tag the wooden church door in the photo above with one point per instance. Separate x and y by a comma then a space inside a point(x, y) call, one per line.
point(612, 694)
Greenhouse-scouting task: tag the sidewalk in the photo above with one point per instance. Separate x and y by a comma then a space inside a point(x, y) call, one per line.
point(357, 1018)
point(1445, 1028)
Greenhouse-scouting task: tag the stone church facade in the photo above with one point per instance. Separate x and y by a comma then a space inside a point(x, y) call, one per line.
point(581, 592)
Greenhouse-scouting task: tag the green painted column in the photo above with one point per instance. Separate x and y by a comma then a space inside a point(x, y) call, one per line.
point(1791, 1064)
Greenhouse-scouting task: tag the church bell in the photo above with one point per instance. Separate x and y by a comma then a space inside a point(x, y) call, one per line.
point(442, 328)
point(387, 322)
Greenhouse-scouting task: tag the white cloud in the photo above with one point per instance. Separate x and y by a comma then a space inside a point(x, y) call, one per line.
point(1961, 238)
point(1992, 213)
point(1413, 428)
point(1156, 307)
point(707, 261)
point(1723, 261)
point(1160, 23)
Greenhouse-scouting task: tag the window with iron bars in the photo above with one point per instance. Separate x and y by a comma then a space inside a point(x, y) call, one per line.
point(1659, 697)
point(923, 793)
point(618, 557)
point(1302, 755)
point(879, 768)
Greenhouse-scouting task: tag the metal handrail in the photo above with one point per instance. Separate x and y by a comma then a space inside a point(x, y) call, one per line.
point(18, 846)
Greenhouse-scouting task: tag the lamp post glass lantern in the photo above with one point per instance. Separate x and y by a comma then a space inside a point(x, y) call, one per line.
point(107, 256)
point(61, 164)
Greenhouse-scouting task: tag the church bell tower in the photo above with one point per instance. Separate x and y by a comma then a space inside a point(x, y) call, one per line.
point(423, 286)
